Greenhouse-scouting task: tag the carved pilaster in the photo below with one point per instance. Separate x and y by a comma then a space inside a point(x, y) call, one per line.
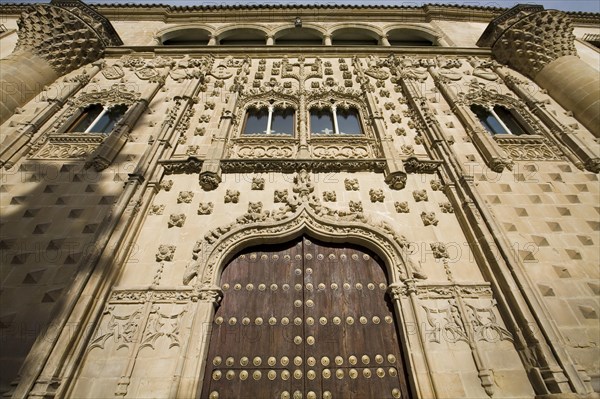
point(395, 174)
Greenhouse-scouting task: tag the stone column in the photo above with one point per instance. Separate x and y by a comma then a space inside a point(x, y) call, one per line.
point(540, 44)
point(54, 39)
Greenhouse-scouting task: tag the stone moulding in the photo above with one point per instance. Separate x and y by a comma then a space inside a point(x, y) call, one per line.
point(304, 222)
point(286, 165)
point(181, 166)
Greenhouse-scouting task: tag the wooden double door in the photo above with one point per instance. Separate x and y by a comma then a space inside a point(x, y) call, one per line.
point(304, 320)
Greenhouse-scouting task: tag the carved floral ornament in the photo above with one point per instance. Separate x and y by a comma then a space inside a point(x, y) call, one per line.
point(302, 212)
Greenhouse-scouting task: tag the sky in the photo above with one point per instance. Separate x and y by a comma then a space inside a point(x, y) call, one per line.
point(566, 5)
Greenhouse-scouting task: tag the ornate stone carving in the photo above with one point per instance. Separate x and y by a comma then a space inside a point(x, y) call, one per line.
point(402, 207)
point(436, 185)
point(166, 185)
point(162, 325)
point(176, 220)
point(351, 184)
point(415, 165)
point(66, 34)
point(120, 329)
point(376, 195)
point(420, 195)
point(523, 148)
point(286, 166)
point(205, 208)
point(209, 181)
point(446, 321)
point(264, 151)
point(258, 183)
point(355, 206)
point(165, 253)
point(157, 209)
point(188, 166)
point(396, 181)
point(333, 152)
point(113, 72)
point(192, 68)
point(280, 196)
point(185, 197)
point(429, 218)
point(232, 196)
point(329, 196)
point(528, 38)
point(192, 149)
point(446, 207)
point(439, 250)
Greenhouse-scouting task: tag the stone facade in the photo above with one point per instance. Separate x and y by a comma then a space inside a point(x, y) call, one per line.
point(113, 243)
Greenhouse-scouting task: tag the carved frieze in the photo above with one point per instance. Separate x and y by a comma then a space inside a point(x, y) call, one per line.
point(524, 148)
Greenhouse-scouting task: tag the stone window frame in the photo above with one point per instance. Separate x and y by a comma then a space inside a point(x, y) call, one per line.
point(67, 127)
point(82, 145)
point(335, 102)
point(271, 105)
point(501, 150)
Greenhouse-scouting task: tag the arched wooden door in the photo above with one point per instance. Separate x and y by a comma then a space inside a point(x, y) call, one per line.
point(304, 320)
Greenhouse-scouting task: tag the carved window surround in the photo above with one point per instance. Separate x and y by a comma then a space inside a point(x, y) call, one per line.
point(500, 150)
point(335, 147)
point(56, 143)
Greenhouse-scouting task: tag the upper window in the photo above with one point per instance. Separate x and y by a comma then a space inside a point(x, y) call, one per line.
point(354, 37)
point(410, 37)
point(269, 121)
point(335, 121)
point(186, 37)
point(498, 120)
point(98, 119)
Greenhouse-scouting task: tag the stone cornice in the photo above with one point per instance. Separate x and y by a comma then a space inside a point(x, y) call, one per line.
point(168, 13)
point(322, 51)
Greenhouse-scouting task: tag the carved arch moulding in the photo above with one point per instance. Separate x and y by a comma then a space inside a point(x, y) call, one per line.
point(301, 213)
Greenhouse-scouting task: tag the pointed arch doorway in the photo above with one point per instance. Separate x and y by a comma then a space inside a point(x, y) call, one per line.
point(304, 319)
